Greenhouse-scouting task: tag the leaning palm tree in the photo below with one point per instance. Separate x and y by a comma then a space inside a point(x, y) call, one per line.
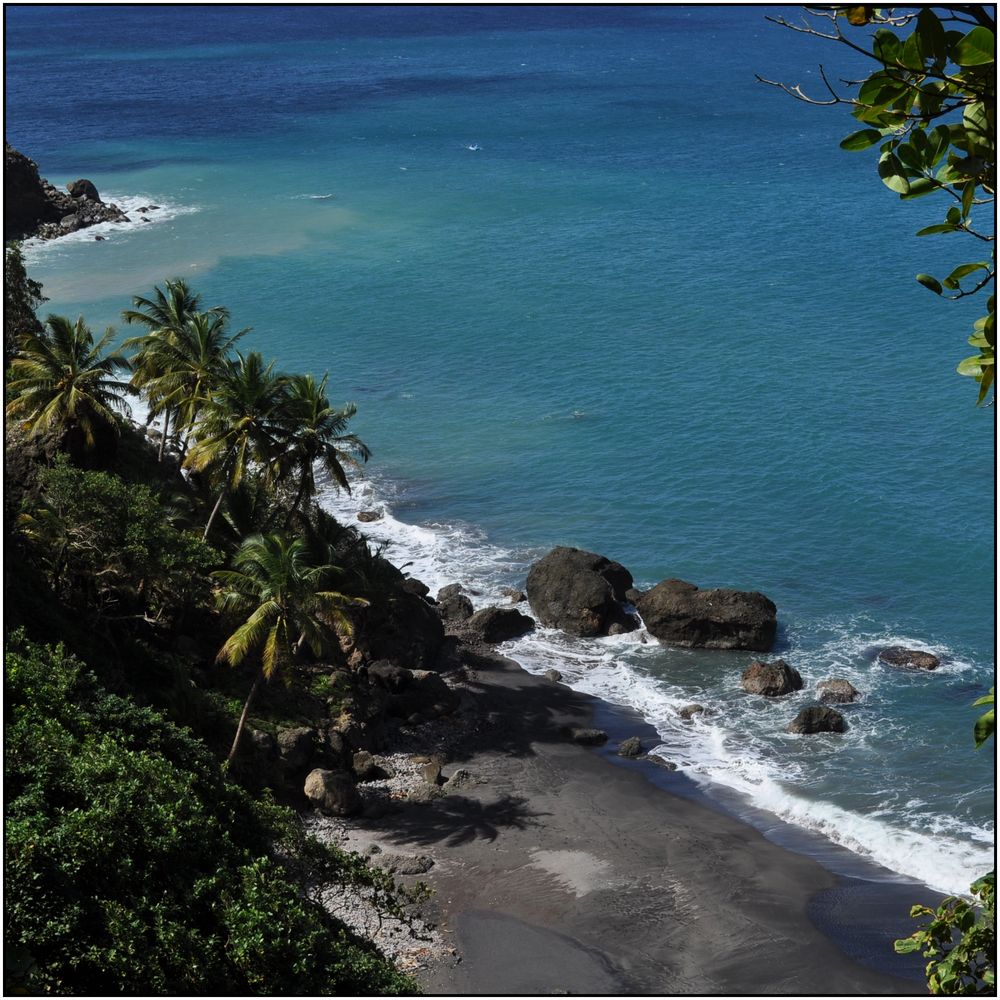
point(163, 316)
point(62, 381)
point(314, 432)
point(283, 596)
point(238, 427)
point(187, 364)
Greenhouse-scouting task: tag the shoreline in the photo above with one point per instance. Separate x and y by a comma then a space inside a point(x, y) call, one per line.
point(564, 868)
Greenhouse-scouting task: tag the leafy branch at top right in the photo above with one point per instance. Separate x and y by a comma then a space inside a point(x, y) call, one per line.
point(929, 106)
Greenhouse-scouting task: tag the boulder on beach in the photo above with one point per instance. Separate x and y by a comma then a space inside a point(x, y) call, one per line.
point(332, 792)
point(579, 592)
point(837, 691)
point(631, 747)
point(679, 614)
point(771, 679)
point(495, 625)
point(453, 604)
point(909, 659)
point(817, 719)
point(586, 736)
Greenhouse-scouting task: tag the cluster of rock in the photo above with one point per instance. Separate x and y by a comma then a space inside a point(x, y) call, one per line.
point(586, 594)
point(34, 207)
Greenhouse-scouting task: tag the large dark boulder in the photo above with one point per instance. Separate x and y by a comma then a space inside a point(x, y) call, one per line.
point(817, 719)
point(333, 792)
point(837, 691)
point(579, 592)
point(909, 659)
point(83, 189)
point(771, 679)
point(453, 604)
point(494, 625)
point(402, 628)
point(680, 614)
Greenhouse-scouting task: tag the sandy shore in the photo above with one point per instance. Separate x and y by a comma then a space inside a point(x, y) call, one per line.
point(560, 869)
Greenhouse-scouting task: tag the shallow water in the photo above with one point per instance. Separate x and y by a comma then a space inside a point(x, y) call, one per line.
point(656, 313)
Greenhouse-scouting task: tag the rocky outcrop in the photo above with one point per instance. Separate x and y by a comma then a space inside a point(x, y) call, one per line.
point(332, 792)
point(909, 659)
point(771, 679)
point(837, 691)
point(402, 628)
point(413, 692)
point(817, 719)
point(493, 625)
point(679, 614)
point(579, 592)
point(453, 604)
point(34, 207)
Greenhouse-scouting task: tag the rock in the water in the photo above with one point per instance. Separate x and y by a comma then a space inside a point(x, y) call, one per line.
point(771, 679)
point(579, 592)
point(587, 737)
point(632, 747)
point(494, 625)
point(516, 596)
point(817, 719)
point(553, 675)
point(84, 189)
point(689, 711)
point(909, 659)
point(837, 691)
point(367, 516)
point(332, 792)
point(455, 607)
point(680, 614)
point(667, 765)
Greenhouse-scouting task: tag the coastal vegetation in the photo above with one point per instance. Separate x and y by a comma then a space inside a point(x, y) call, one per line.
point(929, 106)
point(136, 860)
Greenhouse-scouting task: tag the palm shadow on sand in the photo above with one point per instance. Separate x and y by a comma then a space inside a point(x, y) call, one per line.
point(457, 820)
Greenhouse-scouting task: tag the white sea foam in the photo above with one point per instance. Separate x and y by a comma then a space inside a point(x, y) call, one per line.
point(160, 210)
point(738, 744)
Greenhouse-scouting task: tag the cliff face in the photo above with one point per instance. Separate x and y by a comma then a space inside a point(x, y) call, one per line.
point(34, 207)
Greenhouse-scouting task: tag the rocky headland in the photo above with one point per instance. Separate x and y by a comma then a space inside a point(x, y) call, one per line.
point(35, 208)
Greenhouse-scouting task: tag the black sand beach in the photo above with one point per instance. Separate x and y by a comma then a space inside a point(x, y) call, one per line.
point(559, 871)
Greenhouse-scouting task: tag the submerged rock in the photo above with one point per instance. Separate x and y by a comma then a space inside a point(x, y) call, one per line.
point(678, 613)
point(837, 691)
point(579, 592)
point(909, 659)
point(817, 719)
point(771, 679)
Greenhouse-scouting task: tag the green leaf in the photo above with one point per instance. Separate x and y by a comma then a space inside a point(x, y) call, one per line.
point(913, 51)
point(904, 946)
point(975, 49)
point(886, 46)
point(944, 227)
point(964, 270)
point(919, 187)
point(928, 281)
point(891, 172)
point(861, 140)
point(971, 367)
point(911, 156)
point(932, 35)
point(985, 728)
point(968, 193)
point(954, 215)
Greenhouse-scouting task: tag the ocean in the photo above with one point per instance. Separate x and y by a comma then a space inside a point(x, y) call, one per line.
point(590, 284)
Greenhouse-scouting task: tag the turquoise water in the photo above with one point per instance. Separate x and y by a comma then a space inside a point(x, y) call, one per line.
point(656, 313)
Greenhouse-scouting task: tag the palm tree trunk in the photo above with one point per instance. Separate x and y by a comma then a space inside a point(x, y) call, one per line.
point(163, 437)
point(243, 717)
point(211, 517)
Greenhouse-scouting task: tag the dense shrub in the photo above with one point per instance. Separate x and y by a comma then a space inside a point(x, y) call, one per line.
point(133, 866)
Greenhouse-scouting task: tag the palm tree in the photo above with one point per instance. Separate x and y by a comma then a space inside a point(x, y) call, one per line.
point(313, 431)
point(280, 591)
point(64, 381)
point(185, 365)
point(163, 315)
point(238, 427)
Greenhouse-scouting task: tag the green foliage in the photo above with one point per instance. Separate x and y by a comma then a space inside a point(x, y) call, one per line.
point(967, 966)
point(930, 108)
point(109, 546)
point(21, 299)
point(133, 867)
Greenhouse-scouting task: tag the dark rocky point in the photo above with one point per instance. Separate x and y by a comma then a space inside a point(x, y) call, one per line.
point(909, 659)
point(817, 719)
point(679, 614)
point(579, 592)
point(837, 691)
point(495, 625)
point(771, 679)
point(453, 604)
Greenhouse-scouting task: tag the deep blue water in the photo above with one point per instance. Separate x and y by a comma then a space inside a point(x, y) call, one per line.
point(657, 313)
